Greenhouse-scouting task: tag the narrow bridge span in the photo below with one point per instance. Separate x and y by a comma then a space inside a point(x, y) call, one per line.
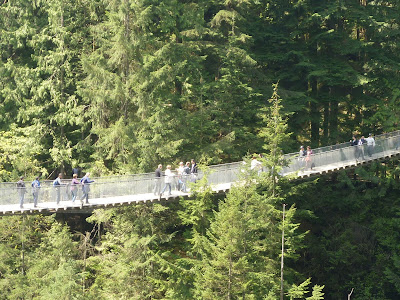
point(112, 191)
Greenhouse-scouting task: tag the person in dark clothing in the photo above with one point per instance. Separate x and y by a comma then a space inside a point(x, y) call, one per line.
point(355, 143)
point(157, 180)
point(193, 170)
point(21, 191)
point(360, 147)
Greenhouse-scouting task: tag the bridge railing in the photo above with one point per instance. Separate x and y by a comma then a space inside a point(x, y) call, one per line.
point(386, 143)
point(138, 184)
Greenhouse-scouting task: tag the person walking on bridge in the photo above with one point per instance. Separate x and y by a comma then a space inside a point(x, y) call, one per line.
point(35, 191)
point(86, 181)
point(193, 170)
point(74, 187)
point(57, 185)
point(157, 180)
point(302, 156)
point(180, 174)
point(185, 176)
point(169, 177)
point(360, 146)
point(370, 144)
point(21, 191)
point(309, 162)
point(354, 143)
point(360, 151)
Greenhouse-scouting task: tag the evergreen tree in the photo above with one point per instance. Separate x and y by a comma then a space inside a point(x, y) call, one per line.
point(130, 264)
point(275, 136)
point(53, 268)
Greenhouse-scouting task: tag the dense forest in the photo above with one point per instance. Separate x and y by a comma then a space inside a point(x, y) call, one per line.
point(119, 86)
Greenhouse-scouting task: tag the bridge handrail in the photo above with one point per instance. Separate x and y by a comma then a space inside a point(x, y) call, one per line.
point(225, 165)
point(138, 184)
point(346, 144)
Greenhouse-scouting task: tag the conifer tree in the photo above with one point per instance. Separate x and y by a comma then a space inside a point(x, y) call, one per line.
point(132, 255)
point(54, 270)
point(275, 136)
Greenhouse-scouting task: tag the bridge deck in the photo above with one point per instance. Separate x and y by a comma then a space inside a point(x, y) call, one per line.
point(95, 203)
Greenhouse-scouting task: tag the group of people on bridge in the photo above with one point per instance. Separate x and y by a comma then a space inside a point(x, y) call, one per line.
point(181, 176)
point(359, 145)
point(184, 173)
point(305, 157)
point(72, 188)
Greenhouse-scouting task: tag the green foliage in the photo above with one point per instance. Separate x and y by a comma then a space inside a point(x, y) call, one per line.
point(132, 258)
point(353, 232)
point(53, 268)
point(317, 293)
point(119, 86)
point(299, 291)
point(39, 259)
point(275, 136)
point(20, 153)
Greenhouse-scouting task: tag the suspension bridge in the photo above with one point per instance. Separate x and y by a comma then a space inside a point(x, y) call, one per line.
point(114, 191)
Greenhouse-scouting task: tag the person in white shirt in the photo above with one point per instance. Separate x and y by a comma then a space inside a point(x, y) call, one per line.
point(370, 144)
point(169, 176)
point(302, 156)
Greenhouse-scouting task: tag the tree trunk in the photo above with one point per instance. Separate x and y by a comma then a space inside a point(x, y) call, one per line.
point(283, 248)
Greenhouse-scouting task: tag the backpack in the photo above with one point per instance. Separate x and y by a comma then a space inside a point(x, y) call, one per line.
point(56, 182)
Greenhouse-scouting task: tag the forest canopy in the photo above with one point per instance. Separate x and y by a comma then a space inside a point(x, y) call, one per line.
point(120, 86)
